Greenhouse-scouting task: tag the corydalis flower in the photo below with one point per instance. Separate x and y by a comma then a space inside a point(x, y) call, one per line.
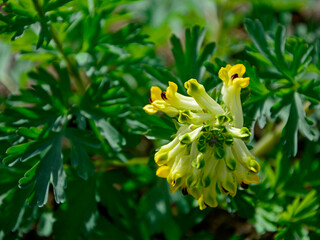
point(232, 77)
point(208, 149)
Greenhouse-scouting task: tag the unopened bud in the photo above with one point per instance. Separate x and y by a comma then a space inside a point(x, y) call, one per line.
point(219, 153)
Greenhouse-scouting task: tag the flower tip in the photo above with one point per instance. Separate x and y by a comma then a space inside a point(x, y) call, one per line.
point(185, 139)
point(254, 179)
point(171, 90)
point(192, 85)
point(238, 69)
point(254, 166)
point(150, 109)
point(184, 116)
point(202, 204)
point(242, 82)
point(160, 157)
point(232, 75)
point(250, 178)
point(163, 171)
point(155, 94)
point(223, 74)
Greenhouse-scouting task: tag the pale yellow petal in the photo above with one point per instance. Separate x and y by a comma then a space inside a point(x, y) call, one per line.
point(241, 82)
point(155, 94)
point(171, 90)
point(223, 75)
point(163, 171)
point(238, 69)
point(150, 109)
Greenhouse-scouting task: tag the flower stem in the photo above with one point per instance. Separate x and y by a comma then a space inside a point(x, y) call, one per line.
point(96, 130)
point(268, 141)
point(72, 68)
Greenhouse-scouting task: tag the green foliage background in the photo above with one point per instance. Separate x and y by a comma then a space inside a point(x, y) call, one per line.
point(77, 148)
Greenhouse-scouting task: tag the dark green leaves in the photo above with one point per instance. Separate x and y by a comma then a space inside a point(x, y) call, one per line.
point(81, 203)
point(20, 15)
point(113, 137)
point(290, 58)
point(80, 139)
point(299, 211)
point(12, 209)
point(48, 170)
point(162, 76)
point(297, 120)
point(256, 32)
point(189, 62)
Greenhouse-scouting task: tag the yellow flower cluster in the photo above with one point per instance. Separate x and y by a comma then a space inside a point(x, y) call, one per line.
point(208, 149)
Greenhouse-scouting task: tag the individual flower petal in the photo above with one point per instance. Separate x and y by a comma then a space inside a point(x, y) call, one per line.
point(236, 71)
point(155, 94)
point(198, 92)
point(224, 74)
point(150, 109)
point(178, 100)
point(233, 82)
point(163, 171)
point(186, 116)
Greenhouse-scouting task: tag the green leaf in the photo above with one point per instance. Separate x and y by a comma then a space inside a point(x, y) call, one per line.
point(81, 160)
point(163, 76)
point(290, 132)
point(29, 176)
point(294, 232)
point(80, 203)
point(189, 63)
point(256, 32)
point(154, 208)
point(297, 121)
point(207, 52)
point(12, 207)
point(265, 220)
point(31, 132)
point(280, 41)
point(302, 56)
point(111, 134)
point(255, 83)
point(105, 229)
point(244, 203)
point(19, 149)
point(305, 127)
point(304, 210)
point(290, 63)
point(311, 90)
point(45, 225)
point(83, 137)
point(48, 170)
point(24, 152)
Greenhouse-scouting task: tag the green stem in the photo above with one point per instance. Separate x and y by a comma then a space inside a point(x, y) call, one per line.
point(96, 130)
point(117, 163)
point(268, 141)
point(79, 83)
